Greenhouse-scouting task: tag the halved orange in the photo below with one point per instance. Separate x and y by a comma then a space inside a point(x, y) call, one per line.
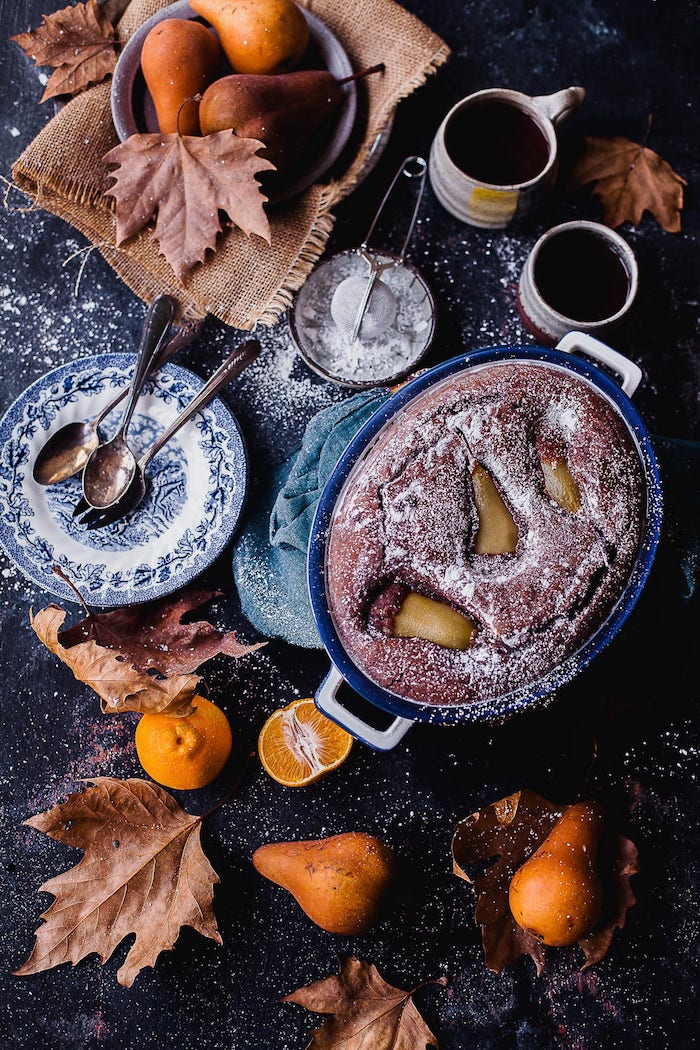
point(298, 744)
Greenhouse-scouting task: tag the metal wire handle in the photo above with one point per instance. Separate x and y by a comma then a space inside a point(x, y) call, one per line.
point(413, 168)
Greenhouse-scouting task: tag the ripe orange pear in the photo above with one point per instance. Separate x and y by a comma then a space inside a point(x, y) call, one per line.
point(179, 59)
point(258, 36)
point(340, 882)
point(556, 895)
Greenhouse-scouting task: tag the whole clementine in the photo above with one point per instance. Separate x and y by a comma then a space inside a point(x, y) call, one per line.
point(184, 752)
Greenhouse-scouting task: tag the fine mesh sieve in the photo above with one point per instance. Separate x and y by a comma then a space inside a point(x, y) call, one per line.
point(354, 298)
point(365, 316)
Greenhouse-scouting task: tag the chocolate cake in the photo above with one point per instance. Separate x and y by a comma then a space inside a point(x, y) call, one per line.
point(409, 522)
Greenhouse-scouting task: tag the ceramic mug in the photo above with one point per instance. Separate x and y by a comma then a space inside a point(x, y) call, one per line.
point(494, 156)
point(579, 276)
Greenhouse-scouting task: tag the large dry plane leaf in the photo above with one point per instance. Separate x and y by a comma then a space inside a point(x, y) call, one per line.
point(152, 636)
point(143, 872)
point(502, 836)
point(368, 1013)
point(629, 179)
point(119, 686)
point(78, 41)
point(186, 180)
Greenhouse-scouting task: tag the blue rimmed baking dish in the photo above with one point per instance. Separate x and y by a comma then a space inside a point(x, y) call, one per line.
point(575, 353)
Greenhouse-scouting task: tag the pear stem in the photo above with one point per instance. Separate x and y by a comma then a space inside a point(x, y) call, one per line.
point(364, 73)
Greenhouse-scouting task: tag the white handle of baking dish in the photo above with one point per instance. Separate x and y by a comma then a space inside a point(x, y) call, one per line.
point(629, 372)
point(327, 702)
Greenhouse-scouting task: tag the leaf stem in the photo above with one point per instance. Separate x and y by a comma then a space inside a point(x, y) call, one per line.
point(232, 791)
point(59, 572)
point(379, 68)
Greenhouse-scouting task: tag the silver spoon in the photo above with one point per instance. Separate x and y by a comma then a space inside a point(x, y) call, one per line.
point(66, 452)
point(110, 467)
point(132, 495)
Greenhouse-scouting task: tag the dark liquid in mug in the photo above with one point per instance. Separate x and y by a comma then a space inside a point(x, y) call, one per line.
point(496, 143)
point(581, 276)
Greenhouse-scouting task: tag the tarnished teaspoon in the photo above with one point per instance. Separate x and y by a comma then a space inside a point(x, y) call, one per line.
point(234, 364)
point(66, 452)
point(111, 466)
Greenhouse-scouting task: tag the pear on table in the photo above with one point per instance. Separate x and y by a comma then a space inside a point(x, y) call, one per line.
point(341, 882)
point(497, 532)
point(556, 895)
point(421, 617)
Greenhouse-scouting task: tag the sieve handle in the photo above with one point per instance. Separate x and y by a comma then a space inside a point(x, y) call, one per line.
point(412, 168)
point(630, 373)
point(326, 700)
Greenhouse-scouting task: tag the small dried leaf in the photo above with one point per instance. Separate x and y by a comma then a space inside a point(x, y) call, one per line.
point(629, 179)
point(617, 897)
point(143, 872)
point(152, 636)
point(505, 833)
point(78, 41)
point(498, 840)
point(367, 1013)
point(186, 180)
point(119, 686)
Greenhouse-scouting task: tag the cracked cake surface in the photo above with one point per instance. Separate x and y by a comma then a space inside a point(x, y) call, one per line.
point(407, 522)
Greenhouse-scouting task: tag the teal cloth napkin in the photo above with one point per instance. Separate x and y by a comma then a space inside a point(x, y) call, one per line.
point(269, 557)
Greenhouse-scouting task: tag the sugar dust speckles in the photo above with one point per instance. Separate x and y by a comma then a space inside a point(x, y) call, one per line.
point(277, 396)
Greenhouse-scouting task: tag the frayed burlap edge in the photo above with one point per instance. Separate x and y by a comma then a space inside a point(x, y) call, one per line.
point(145, 271)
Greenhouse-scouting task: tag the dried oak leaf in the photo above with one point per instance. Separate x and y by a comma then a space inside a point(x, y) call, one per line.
point(143, 872)
point(629, 179)
point(152, 636)
point(79, 42)
point(497, 840)
point(368, 1013)
point(119, 686)
point(186, 180)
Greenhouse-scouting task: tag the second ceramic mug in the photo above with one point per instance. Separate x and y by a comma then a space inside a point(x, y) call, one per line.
point(581, 276)
point(495, 154)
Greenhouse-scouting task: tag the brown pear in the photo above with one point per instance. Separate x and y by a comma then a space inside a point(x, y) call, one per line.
point(285, 111)
point(556, 895)
point(258, 36)
point(179, 59)
point(497, 532)
point(421, 617)
point(340, 882)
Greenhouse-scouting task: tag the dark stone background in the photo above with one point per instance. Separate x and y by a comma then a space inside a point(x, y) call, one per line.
point(638, 700)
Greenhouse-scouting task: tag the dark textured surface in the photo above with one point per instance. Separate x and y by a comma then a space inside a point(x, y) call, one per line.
point(638, 699)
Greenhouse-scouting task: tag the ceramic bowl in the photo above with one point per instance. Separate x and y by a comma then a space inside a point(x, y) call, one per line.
point(133, 111)
point(532, 694)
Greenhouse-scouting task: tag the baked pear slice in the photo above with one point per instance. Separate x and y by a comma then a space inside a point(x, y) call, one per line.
point(421, 617)
point(497, 532)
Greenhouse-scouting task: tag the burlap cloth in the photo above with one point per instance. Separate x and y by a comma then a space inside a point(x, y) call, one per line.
point(245, 281)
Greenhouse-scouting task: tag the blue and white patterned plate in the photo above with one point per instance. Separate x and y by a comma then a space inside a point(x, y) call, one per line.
point(196, 486)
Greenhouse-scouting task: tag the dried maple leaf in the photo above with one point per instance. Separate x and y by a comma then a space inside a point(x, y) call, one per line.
point(79, 42)
point(367, 1012)
point(629, 179)
point(153, 637)
point(501, 837)
point(143, 872)
point(186, 180)
point(119, 685)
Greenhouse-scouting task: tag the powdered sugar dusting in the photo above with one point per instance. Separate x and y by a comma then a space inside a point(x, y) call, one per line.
point(408, 517)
